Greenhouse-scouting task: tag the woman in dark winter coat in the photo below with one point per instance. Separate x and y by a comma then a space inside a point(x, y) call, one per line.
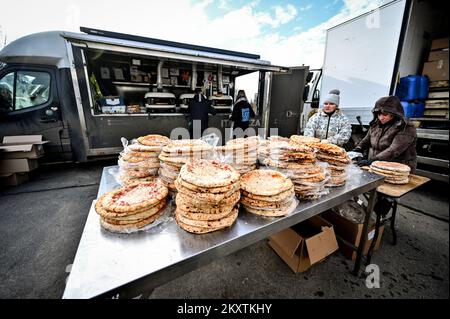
point(390, 137)
point(242, 112)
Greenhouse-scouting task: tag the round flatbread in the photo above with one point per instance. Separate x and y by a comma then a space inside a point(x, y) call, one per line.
point(273, 198)
point(225, 221)
point(264, 204)
point(265, 182)
point(306, 166)
point(130, 227)
point(186, 146)
point(300, 139)
point(333, 159)
point(207, 173)
point(206, 197)
point(142, 154)
point(134, 215)
point(331, 149)
point(213, 190)
point(135, 196)
point(273, 212)
point(398, 182)
point(391, 166)
point(201, 202)
point(154, 140)
point(195, 229)
point(206, 209)
point(388, 173)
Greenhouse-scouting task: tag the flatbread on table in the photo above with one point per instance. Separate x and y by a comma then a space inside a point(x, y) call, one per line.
point(214, 190)
point(265, 182)
point(135, 196)
point(391, 166)
point(154, 140)
point(206, 173)
point(225, 221)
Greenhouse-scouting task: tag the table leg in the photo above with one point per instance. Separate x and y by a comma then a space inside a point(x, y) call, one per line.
point(394, 213)
point(362, 241)
point(374, 239)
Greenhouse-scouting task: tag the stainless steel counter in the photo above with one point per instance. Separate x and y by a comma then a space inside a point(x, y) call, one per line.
point(126, 265)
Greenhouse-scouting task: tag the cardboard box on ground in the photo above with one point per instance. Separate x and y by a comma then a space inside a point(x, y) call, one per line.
point(18, 156)
point(351, 232)
point(305, 244)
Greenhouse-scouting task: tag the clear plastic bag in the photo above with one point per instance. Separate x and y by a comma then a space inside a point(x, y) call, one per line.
point(351, 210)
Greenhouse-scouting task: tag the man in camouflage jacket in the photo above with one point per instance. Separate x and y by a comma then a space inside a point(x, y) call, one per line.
point(330, 123)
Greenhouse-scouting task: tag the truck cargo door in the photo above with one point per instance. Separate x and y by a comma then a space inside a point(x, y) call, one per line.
point(361, 59)
point(286, 100)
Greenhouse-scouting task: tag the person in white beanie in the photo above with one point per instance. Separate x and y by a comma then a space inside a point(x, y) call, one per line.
point(330, 124)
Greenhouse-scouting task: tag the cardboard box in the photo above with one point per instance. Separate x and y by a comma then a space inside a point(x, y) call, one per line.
point(441, 43)
point(351, 232)
point(17, 165)
point(13, 179)
point(436, 70)
point(305, 244)
point(438, 55)
point(22, 146)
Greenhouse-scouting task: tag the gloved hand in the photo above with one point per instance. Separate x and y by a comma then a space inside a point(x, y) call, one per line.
point(364, 162)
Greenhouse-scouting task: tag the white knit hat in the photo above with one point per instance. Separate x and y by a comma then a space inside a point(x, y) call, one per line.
point(332, 97)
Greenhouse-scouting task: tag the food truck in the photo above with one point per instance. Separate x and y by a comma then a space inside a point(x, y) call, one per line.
point(85, 91)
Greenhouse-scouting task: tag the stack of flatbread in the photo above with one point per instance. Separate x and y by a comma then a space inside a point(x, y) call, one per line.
point(395, 173)
point(283, 151)
point(208, 196)
point(176, 154)
point(267, 193)
point(337, 160)
point(241, 153)
point(133, 207)
point(298, 162)
point(139, 161)
point(303, 140)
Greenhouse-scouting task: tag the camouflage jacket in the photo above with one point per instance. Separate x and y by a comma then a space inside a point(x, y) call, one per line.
point(336, 129)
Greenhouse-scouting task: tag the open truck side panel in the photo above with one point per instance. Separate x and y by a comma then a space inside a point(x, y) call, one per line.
point(81, 65)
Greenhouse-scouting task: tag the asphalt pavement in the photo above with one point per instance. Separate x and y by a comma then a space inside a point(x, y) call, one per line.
point(42, 222)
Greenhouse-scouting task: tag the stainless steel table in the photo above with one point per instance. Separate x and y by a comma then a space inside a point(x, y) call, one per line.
point(109, 265)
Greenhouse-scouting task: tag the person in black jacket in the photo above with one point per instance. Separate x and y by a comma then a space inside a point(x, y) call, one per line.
point(242, 112)
point(199, 107)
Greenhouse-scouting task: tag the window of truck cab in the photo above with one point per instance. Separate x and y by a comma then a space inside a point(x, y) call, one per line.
point(24, 89)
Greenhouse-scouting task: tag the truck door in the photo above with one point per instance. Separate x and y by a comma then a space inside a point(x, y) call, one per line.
point(29, 104)
point(286, 100)
point(361, 59)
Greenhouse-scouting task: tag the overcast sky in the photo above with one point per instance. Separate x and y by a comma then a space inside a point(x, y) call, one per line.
point(284, 32)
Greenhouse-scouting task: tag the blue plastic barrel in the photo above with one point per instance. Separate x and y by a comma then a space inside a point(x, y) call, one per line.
point(419, 109)
point(409, 109)
point(408, 88)
point(423, 87)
